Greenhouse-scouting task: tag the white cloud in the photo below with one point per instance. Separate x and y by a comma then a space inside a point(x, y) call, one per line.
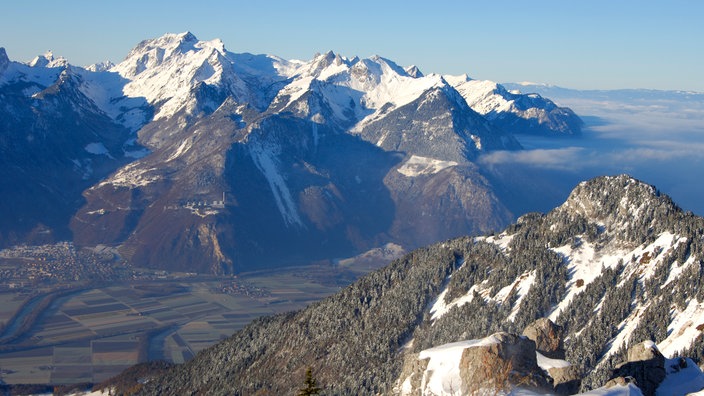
point(559, 159)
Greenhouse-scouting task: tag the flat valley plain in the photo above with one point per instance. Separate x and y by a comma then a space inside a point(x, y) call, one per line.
point(87, 332)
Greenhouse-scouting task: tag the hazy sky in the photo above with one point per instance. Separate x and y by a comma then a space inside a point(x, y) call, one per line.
point(591, 44)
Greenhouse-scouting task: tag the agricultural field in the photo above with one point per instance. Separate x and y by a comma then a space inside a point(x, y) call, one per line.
point(9, 304)
point(93, 333)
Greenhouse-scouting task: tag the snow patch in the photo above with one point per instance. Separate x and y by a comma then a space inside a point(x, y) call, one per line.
point(684, 327)
point(97, 149)
point(681, 380)
point(584, 264)
point(440, 308)
point(677, 269)
point(265, 159)
point(182, 148)
point(502, 240)
point(625, 330)
point(521, 286)
point(547, 363)
point(130, 176)
point(417, 166)
point(618, 390)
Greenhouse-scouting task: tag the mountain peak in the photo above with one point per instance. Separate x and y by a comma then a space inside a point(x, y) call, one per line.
point(167, 70)
point(529, 114)
point(42, 60)
point(100, 66)
point(414, 71)
point(170, 39)
point(322, 61)
point(590, 195)
point(157, 49)
point(188, 36)
point(619, 200)
point(48, 60)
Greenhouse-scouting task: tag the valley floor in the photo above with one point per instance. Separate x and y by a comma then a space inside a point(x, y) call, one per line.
point(88, 333)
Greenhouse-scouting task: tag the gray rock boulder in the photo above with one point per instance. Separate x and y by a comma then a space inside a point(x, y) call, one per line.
point(548, 338)
point(646, 365)
point(565, 380)
point(507, 361)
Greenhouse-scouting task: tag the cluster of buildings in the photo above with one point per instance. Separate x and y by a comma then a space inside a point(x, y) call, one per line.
point(242, 288)
point(25, 266)
point(199, 204)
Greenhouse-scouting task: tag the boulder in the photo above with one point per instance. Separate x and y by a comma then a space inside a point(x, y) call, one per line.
point(566, 380)
point(547, 337)
point(500, 362)
point(619, 381)
point(646, 365)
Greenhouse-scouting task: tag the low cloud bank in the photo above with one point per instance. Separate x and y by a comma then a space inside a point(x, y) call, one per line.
point(656, 136)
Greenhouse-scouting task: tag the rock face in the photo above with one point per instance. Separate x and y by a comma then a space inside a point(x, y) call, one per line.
point(547, 337)
point(646, 365)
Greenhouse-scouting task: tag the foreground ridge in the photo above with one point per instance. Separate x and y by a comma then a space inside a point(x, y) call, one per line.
point(607, 285)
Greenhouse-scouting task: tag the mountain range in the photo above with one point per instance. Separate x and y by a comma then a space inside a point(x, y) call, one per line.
point(607, 285)
point(190, 157)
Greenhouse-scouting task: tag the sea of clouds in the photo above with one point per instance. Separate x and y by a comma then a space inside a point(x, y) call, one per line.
point(655, 136)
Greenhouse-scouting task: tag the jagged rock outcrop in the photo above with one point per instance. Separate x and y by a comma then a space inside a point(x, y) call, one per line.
point(566, 379)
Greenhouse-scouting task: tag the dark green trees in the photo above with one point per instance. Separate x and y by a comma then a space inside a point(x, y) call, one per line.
point(311, 386)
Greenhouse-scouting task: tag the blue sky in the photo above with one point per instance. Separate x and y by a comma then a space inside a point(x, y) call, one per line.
point(578, 44)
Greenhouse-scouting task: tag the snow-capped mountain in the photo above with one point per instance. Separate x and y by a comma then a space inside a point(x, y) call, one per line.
point(617, 267)
point(241, 158)
point(528, 113)
point(54, 143)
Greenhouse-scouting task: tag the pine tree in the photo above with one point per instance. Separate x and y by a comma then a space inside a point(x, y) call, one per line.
point(311, 386)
